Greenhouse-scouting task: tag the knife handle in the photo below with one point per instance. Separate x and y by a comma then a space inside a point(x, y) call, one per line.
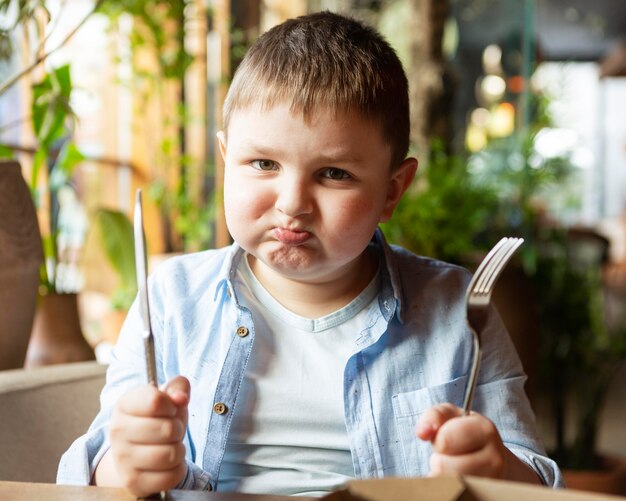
point(148, 344)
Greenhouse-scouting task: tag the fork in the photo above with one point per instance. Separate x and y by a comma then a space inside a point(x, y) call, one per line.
point(477, 299)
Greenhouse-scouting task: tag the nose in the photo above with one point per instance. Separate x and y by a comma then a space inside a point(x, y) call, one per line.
point(294, 197)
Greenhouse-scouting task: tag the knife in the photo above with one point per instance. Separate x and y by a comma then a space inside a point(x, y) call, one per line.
point(141, 262)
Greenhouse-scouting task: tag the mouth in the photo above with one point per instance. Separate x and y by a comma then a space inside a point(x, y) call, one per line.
point(291, 237)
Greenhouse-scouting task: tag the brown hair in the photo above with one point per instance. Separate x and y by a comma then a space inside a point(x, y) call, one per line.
point(326, 60)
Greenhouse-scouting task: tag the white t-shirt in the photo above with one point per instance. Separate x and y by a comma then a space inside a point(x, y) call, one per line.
point(288, 434)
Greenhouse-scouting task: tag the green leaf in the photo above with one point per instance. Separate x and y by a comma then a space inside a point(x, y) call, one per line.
point(39, 161)
point(51, 106)
point(116, 233)
point(69, 157)
point(61, 77)
point(6, 152)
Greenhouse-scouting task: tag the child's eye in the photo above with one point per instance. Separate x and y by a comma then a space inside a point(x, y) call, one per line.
point(335, 173)
point(263, 164)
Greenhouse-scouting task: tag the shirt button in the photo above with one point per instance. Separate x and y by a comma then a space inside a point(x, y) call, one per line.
point(220, 408)
point(242, 331)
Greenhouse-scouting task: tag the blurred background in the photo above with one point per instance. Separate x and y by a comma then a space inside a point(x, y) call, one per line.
point(518, 120)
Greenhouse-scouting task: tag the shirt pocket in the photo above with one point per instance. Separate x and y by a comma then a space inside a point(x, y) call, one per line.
point(407, 409)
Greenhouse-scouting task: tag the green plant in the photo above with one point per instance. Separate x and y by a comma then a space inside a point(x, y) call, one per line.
point(116, 234)
point(443, 212)
point(160, 30)
point(159, 35)
point(55, 156)
point(523, 182)
point(580, 354)
point(52, 119)
point(55, 159)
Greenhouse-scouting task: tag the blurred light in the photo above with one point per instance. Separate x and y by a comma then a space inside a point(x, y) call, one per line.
point(516, 84)
point(480, 117)
point(502, 122)
point(583, 157)
point(492, 57)
point(535, 160)
point(516, 161)
point(492, 88)
point(450, 42)
point(475, 138)
point(553, 142)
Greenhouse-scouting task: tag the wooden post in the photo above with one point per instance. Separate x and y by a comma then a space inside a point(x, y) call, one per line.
point(195, 95)
point(426, 69)
point(222, 27)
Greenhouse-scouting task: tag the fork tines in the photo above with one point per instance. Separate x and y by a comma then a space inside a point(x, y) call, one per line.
point(490, 269)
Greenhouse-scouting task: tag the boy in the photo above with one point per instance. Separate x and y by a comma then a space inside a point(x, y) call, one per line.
point(309, 352)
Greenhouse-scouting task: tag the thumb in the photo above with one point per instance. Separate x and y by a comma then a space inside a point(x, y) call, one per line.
point(179, 390)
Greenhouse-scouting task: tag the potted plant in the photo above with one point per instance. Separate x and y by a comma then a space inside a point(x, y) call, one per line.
point(580, 356)
point(54, 157)
point(578, 353)
point(57, 334)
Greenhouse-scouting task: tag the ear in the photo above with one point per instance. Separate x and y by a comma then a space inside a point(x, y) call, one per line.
point(400, 180)
point(221, 138)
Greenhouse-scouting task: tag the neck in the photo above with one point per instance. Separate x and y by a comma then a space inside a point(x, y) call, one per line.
point(316, 299)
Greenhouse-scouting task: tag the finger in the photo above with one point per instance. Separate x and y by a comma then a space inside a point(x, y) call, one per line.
point(465, 434)
point(486, 462)
point(147, 401)
point(144, 430)
point(179, 390)
point(150, 457)
point(145, 483)
point(434, 418)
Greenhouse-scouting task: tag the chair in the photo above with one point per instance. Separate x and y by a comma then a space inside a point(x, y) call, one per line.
point(42, 411)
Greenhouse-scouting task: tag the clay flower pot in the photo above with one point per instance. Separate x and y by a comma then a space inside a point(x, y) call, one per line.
point(610, 480)
point(57, 336)
point(21, 256)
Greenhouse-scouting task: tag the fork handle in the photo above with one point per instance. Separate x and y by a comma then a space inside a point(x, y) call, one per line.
point(473, 376)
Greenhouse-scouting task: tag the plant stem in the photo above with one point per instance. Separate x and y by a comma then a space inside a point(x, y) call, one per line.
point(12, 80)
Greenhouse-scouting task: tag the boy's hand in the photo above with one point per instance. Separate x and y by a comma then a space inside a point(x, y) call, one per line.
point(469, 445)
point(147, 431)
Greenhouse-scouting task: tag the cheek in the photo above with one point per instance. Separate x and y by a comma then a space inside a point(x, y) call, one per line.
point(359, 210)
point(240, 198)
point(356, 217)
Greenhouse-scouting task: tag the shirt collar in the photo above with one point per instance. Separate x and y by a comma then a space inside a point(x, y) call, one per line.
point(391, 290)
point(391, 283)
point(228, 270)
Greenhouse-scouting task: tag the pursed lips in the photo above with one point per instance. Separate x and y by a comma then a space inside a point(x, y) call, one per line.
point(291, 236)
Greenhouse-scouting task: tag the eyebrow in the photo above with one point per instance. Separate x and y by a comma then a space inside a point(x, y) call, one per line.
point(269, 153)
point(340, 157)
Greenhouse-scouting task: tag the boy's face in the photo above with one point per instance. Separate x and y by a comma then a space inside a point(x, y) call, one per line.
point(304, 197)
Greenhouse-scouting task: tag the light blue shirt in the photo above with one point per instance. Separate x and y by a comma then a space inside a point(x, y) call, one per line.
point(411, 353)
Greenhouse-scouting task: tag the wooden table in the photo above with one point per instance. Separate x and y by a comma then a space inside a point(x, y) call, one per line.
point(24, 491)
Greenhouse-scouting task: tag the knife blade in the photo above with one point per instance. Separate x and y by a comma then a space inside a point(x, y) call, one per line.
point(141, 262)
